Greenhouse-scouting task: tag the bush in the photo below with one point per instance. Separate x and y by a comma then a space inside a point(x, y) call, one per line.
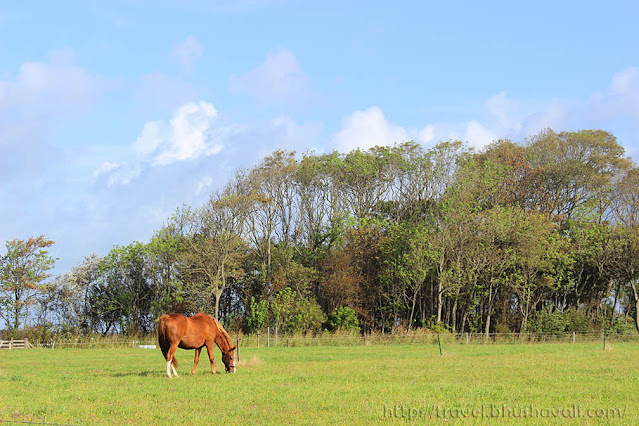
point(620, 326)
point(342, 319)
point(547, 321)
point(294, 313)
point(577, 320)
point(256, 319)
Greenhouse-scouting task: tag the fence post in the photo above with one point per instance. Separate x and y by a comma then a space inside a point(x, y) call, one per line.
point(574, 336)
point(604, 340)
point(466, 337)
point(440, 344)
point(237, 352)
point(258, 338)
point(268, 337)
point(276, 336)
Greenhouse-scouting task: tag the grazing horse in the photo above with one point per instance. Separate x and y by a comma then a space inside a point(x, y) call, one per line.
point(178, 331)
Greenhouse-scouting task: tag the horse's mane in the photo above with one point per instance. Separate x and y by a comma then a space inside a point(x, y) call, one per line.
point(223, 333)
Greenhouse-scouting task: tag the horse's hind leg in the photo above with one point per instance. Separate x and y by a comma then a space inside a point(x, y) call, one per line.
point(169, 360)
point(197, 359)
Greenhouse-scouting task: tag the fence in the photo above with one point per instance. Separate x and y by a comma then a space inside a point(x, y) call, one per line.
point(328, 339)
point(270, 338)
point(15, 344)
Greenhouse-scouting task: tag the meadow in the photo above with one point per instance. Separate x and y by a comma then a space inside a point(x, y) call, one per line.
point(540, 384)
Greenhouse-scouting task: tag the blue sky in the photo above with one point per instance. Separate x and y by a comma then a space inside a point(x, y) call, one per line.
point(113, 114)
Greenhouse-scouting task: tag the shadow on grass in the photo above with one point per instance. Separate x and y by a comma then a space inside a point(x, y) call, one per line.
point(157, 373)
point(148, 373)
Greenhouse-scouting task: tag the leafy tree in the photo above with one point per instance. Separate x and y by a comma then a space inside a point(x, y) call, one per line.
point(23, 274)
point(215, 250)
point(339, 283)
point(292, 313)
point(409, 261)
point(71, 294)
point(257, 316)
point(121, 298)
point(343, 318)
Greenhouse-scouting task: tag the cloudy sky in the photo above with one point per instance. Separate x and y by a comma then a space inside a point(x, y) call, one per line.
point(113, 114)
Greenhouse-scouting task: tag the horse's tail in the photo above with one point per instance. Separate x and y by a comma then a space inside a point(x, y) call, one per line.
point(164, 340)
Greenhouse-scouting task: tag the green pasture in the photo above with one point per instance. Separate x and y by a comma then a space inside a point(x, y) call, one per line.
point(327, 385)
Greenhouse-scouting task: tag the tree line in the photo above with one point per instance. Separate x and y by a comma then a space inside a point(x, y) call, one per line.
point(541, 235)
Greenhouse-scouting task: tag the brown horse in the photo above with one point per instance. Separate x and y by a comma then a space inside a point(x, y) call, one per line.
point(177, 331)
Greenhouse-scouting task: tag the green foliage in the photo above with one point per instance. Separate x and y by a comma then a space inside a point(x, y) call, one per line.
point(257, 315)
point(293, 313)
point(621, 325)
point(449, 237)
point(343, 318)
point(577, 320)
point(548, 321)
point(23, 274)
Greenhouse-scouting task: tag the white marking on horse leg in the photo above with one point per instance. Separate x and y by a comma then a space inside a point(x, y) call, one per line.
point(174, 371)
point(168, 368)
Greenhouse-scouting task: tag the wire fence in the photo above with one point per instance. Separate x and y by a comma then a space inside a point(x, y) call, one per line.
point(270, 338)
point(435, 338)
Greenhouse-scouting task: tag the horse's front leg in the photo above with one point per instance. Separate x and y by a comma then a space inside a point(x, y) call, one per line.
point(209, 349)
point(197, 359)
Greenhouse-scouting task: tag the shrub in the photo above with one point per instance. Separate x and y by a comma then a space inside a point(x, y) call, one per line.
point(294, 313)
point(548, 321)
point(343, 318)
point(256, 319)
point(620, 326)
point(577, 320)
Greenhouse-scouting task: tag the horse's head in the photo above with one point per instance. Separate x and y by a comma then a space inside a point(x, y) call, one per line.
point(228, 359)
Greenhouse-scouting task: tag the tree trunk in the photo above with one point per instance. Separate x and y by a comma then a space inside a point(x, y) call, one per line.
point(439, 301)
point(524, 323)
point(455, 316)
point(489, 310)
point(633, 284)
point(218, 295)
point(412, 311)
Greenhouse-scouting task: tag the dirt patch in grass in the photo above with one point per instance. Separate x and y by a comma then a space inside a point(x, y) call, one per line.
point(254, 361)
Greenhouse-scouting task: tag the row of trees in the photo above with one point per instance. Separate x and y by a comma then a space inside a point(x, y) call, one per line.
point(446, 237)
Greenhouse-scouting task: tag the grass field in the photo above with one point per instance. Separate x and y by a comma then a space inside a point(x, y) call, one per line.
point(327, 385)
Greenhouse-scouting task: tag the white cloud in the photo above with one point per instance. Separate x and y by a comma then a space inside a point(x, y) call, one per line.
point(154, 134)
point(57, 87)
point(366, 129)
point(194, 137)
point(620, 100)
point(111, 174)
point(186, 52)
point(279, 78)
point(191, 133)
point(503, 112)
point(477, 135)
point(41, 94)
point(427, 134)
